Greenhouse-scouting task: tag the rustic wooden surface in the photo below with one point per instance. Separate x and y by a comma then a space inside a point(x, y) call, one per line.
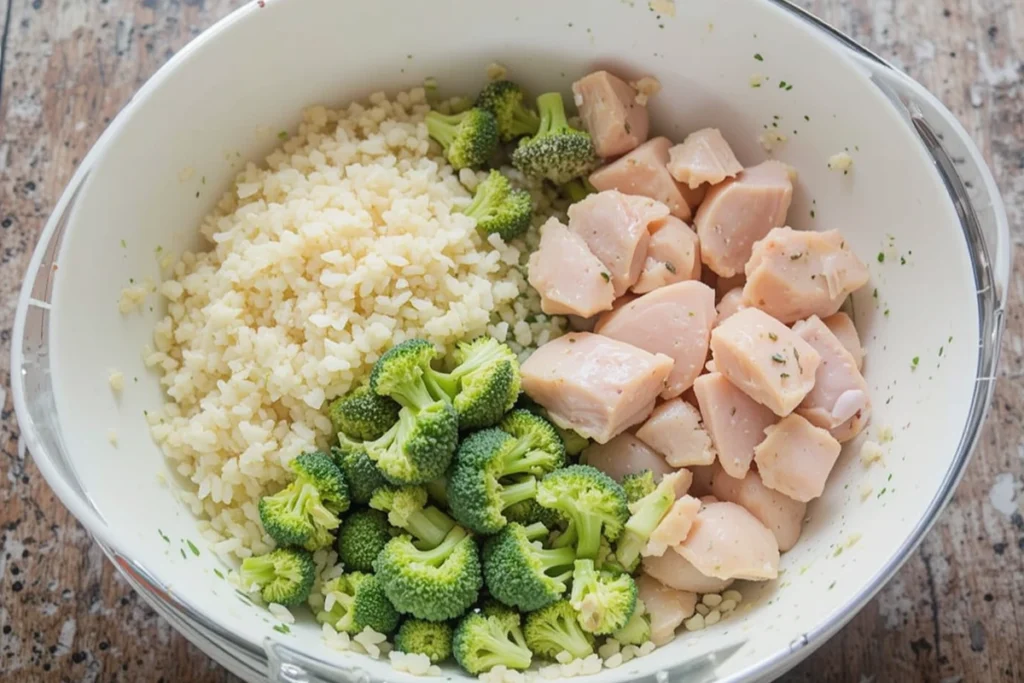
point(954, 613)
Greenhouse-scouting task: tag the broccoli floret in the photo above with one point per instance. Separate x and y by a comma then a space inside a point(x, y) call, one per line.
point(519, 573)
point(483, 385)
point(284, 575)
point(593, 502)
point(407, 509)
point(637, 630)
point(484, 642)
point(468, 138)
point(638, 484)
point(437, 490)
point(362, 475)
point(529, 511)
point(306, 511)
point(430, 638)
point(577, 189)
point(500, 208)
point(363, 414)
point(361, 538)
point(538, 449)
point(436, 584)
point(646, 514)
point(554, 629)
point(504, 99)
point(573, 442)
point(604, 601)
point(489, 607)
point(558, 152)
point(477, 492)
point(359, 601)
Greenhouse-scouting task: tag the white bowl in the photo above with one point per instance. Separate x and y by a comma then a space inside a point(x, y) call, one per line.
point(918, 190)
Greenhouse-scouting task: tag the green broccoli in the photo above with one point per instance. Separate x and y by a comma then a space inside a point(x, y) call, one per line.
point(489, 607)
point(504, 99)
point(361, 538)
point(558, 152)
point(554, 629)
point(519, 573)
point(484, 642)
point(477, 492)
point(604, 601)
point(362, 475)
point(646, 514)
point(637, 630)
point(529, 511)
point(430, 638)
point(358, 601)
point(407, 509)
point(363, 414)
point(468, 138)
point(483, 385)
point(638, 484)
point(573, 442)
point(437, 490)
point(436, 584)
point(500, 208)
point(577, 189)
point(285, 575)
point(538, 449)
point(306, 511)
point(593, 502)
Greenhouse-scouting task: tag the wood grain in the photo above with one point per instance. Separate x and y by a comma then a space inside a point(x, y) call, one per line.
point(954, 613)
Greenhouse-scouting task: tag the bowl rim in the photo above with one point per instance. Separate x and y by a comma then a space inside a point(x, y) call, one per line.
point(991, 276)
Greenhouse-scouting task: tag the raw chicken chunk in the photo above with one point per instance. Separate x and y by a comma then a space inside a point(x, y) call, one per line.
point(643, 172)
point(783, 516)
point(770, 362)
point(675, 320)
point(738, 212)
point(614, 227)
point(666, 607)
point(595, 385)
point(796, 457)
point(735, 422)
point(727, 542)
point(703, 157)
point(673, 570)
point(842, 326)
point(625, 454)
point(839, 401)
point(610, 113)
point(583, 288)
point(729, 305)
point(674, 526)
point(794, 274)
point(674, 430)
point(673, 255)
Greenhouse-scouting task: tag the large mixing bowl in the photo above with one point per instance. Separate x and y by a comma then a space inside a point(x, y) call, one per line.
point(918, 192)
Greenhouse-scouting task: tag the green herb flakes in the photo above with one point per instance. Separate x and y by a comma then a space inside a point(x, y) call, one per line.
point(778, 358)
point(881, 257)
point(758, 57)
point(282, 628)
point(193, 548)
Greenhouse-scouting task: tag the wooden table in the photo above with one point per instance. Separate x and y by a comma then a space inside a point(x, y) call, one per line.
point(954, 613)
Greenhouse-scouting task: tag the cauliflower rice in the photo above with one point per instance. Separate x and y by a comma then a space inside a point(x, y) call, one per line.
point(344, 243)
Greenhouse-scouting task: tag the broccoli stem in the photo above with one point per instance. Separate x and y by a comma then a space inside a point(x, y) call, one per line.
point(514, 493)
point(536, 531)
point(442, 127)
point(650, 510)
point(569, 636)
point(487, 194)
point(524, 121)
point(555, 559)
point(258, 569)
point(412, 396)
point(488, 354)
point(552, 113)
point(430, 526)
point(438, 555)
point(523, 457)
point(588, 535)
point(502, 651)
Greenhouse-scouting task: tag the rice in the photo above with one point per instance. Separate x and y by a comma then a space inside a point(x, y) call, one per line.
point(344, 243)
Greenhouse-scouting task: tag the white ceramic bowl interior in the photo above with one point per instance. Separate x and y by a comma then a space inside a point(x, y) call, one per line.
point(221, 102)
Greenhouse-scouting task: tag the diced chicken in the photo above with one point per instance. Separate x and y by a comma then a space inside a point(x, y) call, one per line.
point(794, 274)
point(839, 401)
point(796, 457)
point(666, 607)
point(568, 277)
point(674, 526)
point(842, 326)
point(727, 542)
point(735, 422)
point(625, 454)
point(643, 172)
point(673, 570)
point(738, 212)
point(615, 229)
point(610, 113)
point(703, 157)
point(673, 255)
point(675, 431)
point(595, 385)
point(783, 516)
point(675, 320)
point(729, 305)
point(768, 361)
